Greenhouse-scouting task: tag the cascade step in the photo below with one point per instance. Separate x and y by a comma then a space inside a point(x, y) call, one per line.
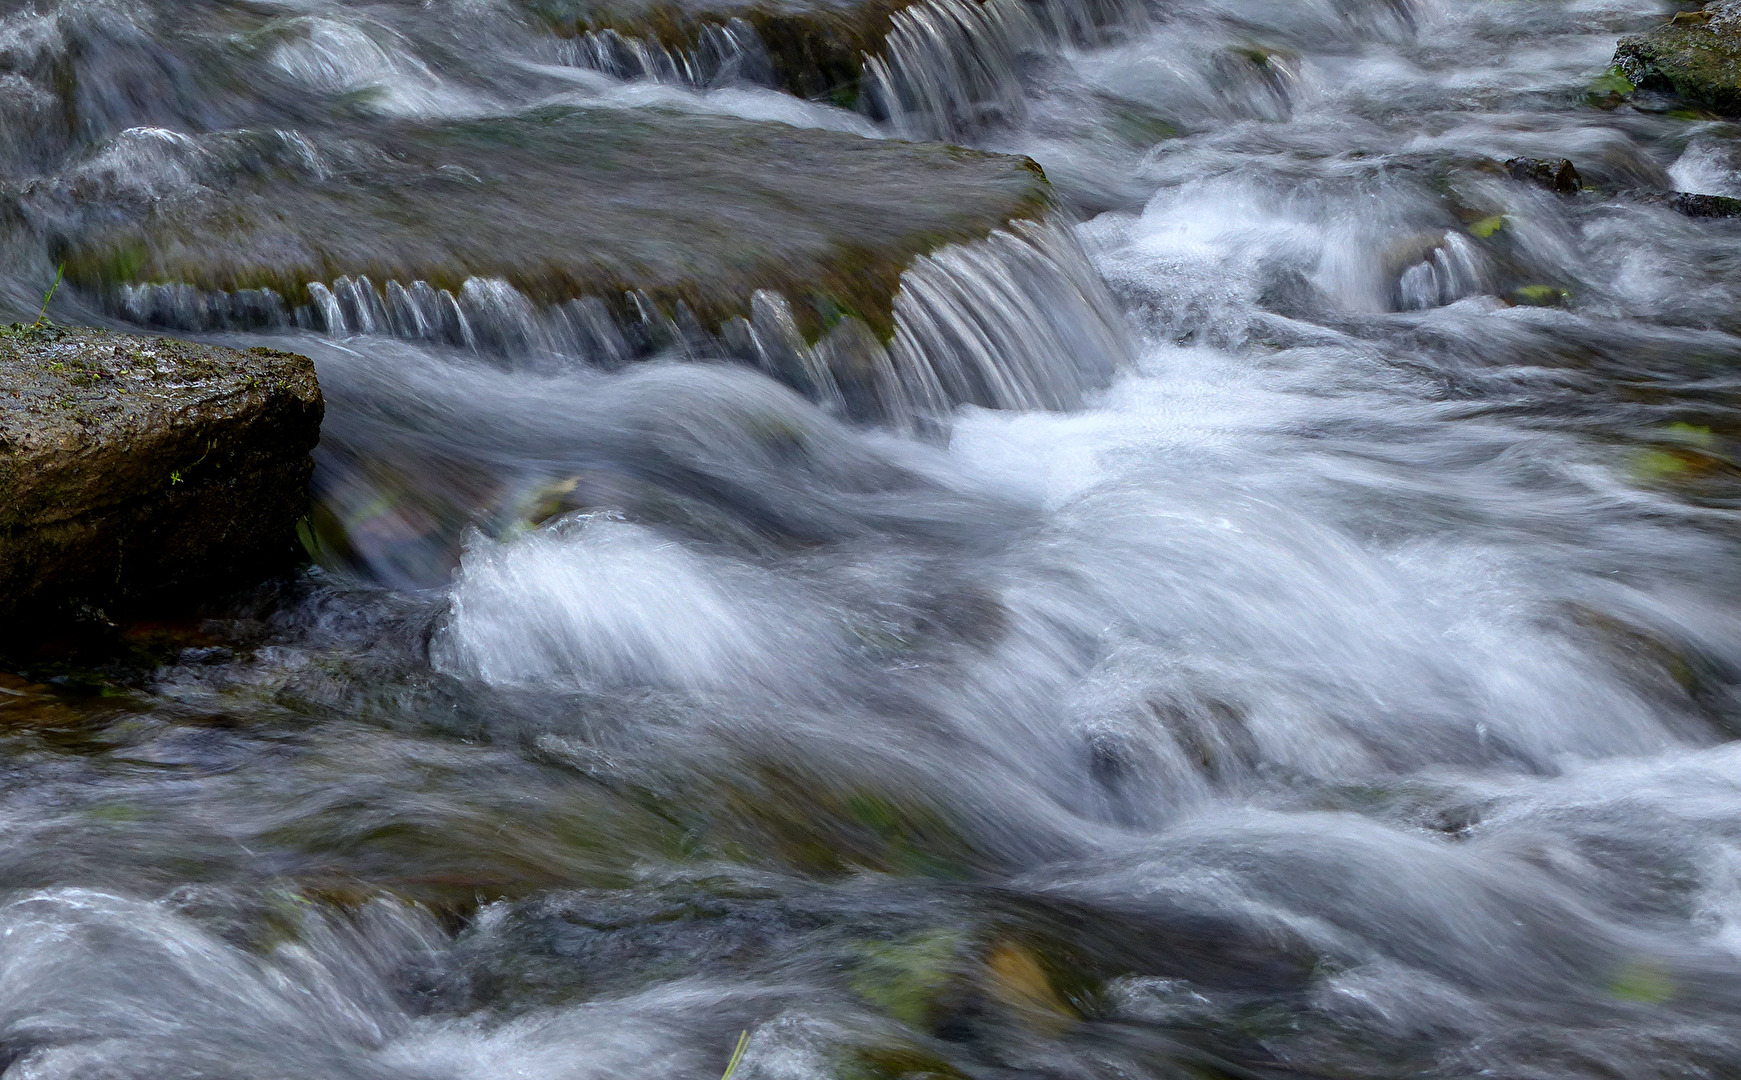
point(698, 210)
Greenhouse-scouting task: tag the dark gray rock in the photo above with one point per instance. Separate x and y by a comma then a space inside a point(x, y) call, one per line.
point(1561, 176)
point(1687, 203)
point(136, 468)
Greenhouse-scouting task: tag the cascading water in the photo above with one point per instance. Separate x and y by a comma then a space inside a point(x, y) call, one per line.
point(1285, 624)
point(949, 68)
point(727, 53)
point(1018, 321)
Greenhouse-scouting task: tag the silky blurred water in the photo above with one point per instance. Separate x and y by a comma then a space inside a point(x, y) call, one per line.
point(1347, 688)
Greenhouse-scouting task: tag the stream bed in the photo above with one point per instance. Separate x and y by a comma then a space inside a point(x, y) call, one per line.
point(1280, 618)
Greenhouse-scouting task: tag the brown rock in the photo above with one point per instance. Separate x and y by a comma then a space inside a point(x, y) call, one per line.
point(136, 468)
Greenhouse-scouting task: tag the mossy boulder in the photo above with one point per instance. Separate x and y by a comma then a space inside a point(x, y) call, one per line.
point(1696, 55)
point(679, 209)
point(135, 468)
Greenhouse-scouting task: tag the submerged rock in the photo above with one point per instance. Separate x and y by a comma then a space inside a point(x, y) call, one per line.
point(135, 467)
point(1696, 55)
point(692, 215)
point(1539, 296)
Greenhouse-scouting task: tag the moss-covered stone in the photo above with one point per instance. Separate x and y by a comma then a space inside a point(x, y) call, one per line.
point(1696, 55)
point(132, 467)
point(701, 211)
point(1610, 89)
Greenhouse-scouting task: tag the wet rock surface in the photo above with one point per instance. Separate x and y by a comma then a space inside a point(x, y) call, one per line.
point(1697, 55)
point(701, 211)
point(135, 467)
point(1560, 176)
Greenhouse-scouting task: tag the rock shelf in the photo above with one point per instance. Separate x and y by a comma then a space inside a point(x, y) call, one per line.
point(670, 208)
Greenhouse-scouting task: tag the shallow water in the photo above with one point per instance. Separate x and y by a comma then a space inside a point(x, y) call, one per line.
point(1346, 687)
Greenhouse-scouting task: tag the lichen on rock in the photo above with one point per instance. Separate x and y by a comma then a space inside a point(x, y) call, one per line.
point(135, 467)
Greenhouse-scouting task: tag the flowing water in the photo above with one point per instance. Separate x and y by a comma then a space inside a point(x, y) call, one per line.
point(1319, 664)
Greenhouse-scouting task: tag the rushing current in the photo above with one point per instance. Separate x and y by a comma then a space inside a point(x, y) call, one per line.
point(1335, 675)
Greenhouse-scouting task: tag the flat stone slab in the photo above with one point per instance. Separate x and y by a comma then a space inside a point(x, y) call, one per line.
point(132, 467)
point(679, 208)
point(1697, 55)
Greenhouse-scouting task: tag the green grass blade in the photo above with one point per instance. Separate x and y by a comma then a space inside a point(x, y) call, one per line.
point(737, 1055)
point(49, 295)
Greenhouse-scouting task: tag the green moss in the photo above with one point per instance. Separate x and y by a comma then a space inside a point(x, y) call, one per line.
point(1691, 434)
point(804, 823)
point(1654, 466)
point(1683, 453)
point(117, 812)
point(1609, 89)
point(907, 977)
point(1644, 982)
point(1539, 296)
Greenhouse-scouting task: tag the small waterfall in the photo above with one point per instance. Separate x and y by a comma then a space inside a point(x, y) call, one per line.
point(1257, 82)
point(988, 323)
point(1019, 320)
point(184, 307)
point(949, 67)
point(730, 52)
point(1449, 272)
